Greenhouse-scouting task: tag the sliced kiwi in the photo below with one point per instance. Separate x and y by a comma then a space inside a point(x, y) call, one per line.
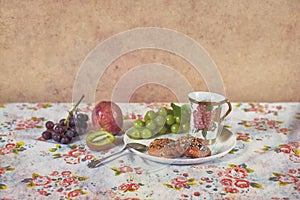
point(100, 140)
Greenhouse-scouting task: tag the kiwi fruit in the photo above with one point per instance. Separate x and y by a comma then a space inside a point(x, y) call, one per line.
point(100, 140)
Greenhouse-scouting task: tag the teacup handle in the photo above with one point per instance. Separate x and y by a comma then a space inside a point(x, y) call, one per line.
point(228, 111)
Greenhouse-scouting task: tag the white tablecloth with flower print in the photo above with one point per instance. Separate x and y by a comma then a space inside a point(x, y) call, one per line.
point(264, 164)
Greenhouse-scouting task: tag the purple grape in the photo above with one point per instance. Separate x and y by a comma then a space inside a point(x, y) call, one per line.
point(80, 130)
point(65, 140)
point(83, 125)
point(56, 137)
point(47, 135)
point(71, 121)
point(73, 129)
point(59, 129)
point(49, 125)
point(86, 117)
point(62, 121)
point(82, 117)
point(70, 134)
point(78, 122)
point(52, 132)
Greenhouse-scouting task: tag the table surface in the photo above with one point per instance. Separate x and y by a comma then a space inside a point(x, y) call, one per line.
point(264, 164)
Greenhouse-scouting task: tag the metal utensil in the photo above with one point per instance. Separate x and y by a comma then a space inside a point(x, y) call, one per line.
point(136, 146)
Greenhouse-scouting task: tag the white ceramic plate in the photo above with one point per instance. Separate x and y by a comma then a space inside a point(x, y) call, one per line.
point(223, 145)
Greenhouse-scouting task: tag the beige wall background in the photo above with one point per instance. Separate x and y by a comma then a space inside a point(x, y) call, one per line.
point(255, 45)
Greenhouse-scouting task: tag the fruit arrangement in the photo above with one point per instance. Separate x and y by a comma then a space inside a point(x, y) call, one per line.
point(66, 129)
point(175, 119)
point(107, 119)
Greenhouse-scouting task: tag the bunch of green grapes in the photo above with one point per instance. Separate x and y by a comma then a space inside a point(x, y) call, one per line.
point(163, 121)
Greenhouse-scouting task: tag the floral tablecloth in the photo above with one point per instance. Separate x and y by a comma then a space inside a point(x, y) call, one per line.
point(264, 164)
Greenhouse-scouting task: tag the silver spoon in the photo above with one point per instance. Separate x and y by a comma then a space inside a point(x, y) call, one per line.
point(136, 146)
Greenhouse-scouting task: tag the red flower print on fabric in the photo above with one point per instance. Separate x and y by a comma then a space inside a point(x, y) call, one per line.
point(65, 173)
point(4, 151)
point(41, 180)
point(11, 146)
point(180, 185)
point(295, 158)
point(243, 137)
point(260, 108)
point(231, 190)
point(64, 182)
point(226, 182)
point(291, 149)
point(33, 122)
point(181, 182)
point(72, 160)
point(241, 183)
point(236, 172)
point(74, 193)
point(265, 124)
point(285, 148)
point(126, 169)
point(288, 179)
point(43, 193)
point(131, 187)
point(2, 170)
point(236, 178)
point(74, 156)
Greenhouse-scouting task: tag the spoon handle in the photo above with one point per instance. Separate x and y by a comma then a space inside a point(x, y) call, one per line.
point(98, 163)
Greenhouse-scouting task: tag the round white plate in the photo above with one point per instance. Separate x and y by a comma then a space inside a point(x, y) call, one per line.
point(223, 145)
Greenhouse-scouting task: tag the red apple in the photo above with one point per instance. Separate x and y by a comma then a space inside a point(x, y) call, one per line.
point(107, 116)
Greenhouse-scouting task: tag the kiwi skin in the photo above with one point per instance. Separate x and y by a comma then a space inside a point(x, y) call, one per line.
point(93, 139)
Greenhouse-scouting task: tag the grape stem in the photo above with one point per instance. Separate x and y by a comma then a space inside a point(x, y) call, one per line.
point(71, 112)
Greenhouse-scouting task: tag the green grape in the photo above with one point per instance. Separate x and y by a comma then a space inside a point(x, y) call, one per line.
point(134, 133)
point(177, 119)
point(146, 117)
point(163, 130)
point(175, 128)
point(146, 133)
point(138, 124)
point(170, 119)
point(184, 119)
point(162, 111)
point(185, 127)
point(149, 115)
point(150, 124)
point(160, 120)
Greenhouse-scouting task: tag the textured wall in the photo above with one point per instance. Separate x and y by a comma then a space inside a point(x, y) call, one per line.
point(255, 45)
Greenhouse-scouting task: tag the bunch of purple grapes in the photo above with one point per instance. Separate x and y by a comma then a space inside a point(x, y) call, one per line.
point(66, 129)
point(202, 118)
